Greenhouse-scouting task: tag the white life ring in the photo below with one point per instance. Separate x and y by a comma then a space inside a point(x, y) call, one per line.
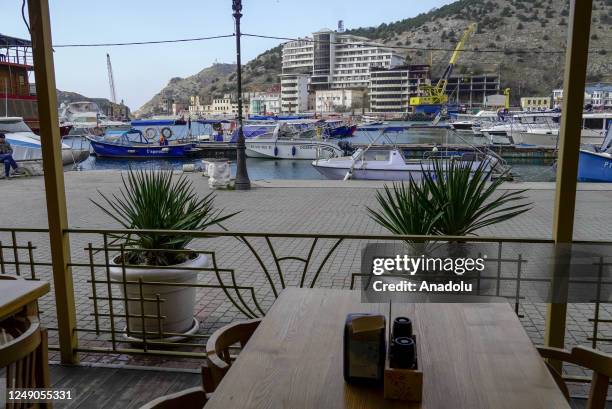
point(150, 133)
point(166, 132)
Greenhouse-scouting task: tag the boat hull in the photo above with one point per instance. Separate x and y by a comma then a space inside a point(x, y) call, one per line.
point(292, 150)
point(121, 151)
point(594, 167)
point(413, 171)
point(548, 139)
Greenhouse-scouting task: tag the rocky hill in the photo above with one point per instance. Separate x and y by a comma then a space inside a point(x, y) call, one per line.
point(537, 29)
point(68, 97)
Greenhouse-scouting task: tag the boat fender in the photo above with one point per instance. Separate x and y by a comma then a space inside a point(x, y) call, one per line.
point(166, 132)
point(98, 131)
point(293, 151)
point(150, 133)
point(276, 151)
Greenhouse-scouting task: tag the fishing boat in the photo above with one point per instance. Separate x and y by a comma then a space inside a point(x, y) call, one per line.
point(286, 141)
point(26, 144)
point(597, 166)
point(376, 162)
point(133, 144)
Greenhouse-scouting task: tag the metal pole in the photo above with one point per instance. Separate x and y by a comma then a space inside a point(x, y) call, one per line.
point(42, 52)
point(242, 176)
point(576, 58)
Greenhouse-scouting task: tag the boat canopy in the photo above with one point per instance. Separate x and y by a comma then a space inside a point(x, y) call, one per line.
point(212, 121)
point(124, 137)
point(156, 122)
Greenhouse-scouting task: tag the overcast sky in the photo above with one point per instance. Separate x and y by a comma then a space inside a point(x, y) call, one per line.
point(141, 71)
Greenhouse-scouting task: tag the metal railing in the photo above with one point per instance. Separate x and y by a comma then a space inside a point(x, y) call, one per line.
point(117, 314)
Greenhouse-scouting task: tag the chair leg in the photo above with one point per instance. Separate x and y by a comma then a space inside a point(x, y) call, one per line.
point(599, 391)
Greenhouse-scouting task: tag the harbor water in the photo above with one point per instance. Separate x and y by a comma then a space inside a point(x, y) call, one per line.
point(532, 170)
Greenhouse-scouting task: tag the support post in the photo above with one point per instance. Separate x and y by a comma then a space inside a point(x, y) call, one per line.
point(40, 26)
point(576, 58)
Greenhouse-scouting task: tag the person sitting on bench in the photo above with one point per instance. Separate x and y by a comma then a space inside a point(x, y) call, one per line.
point(6, 156)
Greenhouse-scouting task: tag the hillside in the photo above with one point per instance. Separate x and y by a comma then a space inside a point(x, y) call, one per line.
point(68, 97)
point(535, 26)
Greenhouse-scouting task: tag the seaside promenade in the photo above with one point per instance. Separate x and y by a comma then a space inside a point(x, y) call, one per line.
point(275, 206)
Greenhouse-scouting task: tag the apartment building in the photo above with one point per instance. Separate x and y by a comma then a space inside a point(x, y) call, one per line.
point(333, 60)
point(294, 93)
point(265, 104)
point(390, 89)
point(598, 95)
point(535, 103)
point(338, 100)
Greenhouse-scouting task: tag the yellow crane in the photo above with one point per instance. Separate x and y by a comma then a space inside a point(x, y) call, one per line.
point(436, 94)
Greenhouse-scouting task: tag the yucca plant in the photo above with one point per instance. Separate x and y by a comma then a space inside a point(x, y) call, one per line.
point(155, 200)
point(452, 199)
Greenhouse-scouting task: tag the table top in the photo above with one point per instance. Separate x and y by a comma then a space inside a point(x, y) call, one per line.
point(16, 294)
point(472, 356)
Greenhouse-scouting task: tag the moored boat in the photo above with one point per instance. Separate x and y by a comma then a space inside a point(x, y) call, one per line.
point(133, 144)
point(390, 164)
point(597, 166)
point(285, 141)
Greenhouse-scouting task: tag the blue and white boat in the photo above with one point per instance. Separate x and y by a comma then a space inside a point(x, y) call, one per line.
point(133, 144)
point(26, 144)
point(597, 166)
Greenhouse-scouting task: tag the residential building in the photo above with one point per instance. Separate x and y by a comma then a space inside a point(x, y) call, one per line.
point(294, 93)
point(390, 89)
point(599, 96)
point(195, 107)
point(338, 100)
point(535, 103)
point(179, 108)
point(472, 90)
point(265, 104)
point(332, 60)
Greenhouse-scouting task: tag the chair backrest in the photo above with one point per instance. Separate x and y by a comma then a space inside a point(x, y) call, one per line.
point(218, 346)
point(194, 398)
point(23, 353)
point(599, 362)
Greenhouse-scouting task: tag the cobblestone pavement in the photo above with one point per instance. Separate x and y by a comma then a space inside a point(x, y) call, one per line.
point(281, 207)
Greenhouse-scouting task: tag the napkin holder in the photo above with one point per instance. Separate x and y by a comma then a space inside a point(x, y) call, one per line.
point(364, 349)
point(404, 384)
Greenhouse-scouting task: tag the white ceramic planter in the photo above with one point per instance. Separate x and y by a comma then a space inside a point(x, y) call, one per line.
point(179, 301)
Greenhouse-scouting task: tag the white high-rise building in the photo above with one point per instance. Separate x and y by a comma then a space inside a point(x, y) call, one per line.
point(335, 60)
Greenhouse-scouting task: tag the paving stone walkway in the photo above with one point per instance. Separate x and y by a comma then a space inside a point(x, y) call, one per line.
point(313, 207)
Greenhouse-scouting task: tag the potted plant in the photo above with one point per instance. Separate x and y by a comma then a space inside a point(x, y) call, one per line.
point(155, 200)
point(455, 198)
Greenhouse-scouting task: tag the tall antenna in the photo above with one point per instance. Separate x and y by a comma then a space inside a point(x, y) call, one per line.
point(111, 80)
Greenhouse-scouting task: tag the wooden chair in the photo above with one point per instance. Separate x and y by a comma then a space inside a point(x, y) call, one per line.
point(218, 346)
point(24, 355)
point(192, 398)
point(600, 363)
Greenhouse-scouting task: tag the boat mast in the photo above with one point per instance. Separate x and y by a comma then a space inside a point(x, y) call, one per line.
point(111, 80)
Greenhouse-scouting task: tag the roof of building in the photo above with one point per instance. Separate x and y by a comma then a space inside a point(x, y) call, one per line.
point(8, 41)
point(598, 87)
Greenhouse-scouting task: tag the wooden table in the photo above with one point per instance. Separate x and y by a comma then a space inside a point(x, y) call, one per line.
point(19, 294)
point(472, 356)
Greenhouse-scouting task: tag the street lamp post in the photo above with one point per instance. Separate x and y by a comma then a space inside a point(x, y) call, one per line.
point(242, 176)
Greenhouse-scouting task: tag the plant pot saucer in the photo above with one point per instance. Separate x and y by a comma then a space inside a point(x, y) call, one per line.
point(175, 338)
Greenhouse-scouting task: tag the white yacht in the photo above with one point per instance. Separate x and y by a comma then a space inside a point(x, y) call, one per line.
point(290, 141)
point(85, 118)
point(509, 131)
point(26, 144)
point(390, 164)
point(594, 128)
point(472, 123)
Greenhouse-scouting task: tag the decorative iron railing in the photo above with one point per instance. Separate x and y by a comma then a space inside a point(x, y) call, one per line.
point(246, 272)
